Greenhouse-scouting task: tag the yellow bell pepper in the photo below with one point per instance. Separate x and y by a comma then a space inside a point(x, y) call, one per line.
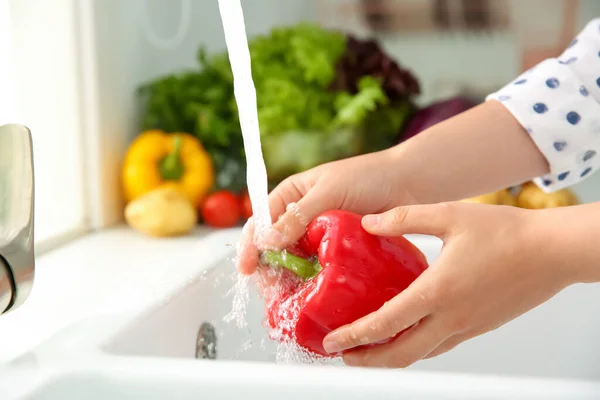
point(156, 160)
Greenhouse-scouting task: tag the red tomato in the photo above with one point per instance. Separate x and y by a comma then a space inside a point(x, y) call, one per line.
point(246, 204)
point(222, 210)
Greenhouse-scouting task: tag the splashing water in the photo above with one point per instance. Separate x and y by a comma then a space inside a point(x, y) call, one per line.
point(241, 296)
point(234, 29)
point(245, 94)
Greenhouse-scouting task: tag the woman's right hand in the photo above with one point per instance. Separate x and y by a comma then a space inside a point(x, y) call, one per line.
point(365, 184)
point(482, 150)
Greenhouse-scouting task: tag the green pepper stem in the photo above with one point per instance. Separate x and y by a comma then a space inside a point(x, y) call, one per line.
point(171, 167)
point(302, 267)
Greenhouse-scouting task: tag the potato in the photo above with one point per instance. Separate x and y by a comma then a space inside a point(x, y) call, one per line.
point(502, 197)
point(508, 199)
point(162, 212)
point(488, 198)
point(534, 198)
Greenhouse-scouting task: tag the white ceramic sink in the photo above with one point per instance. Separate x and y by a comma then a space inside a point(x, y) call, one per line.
point(551, 352)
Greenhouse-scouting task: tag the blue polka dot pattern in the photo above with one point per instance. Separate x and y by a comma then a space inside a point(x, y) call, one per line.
point(584, 91)
point(573, 118)
point(589, 155)
point(557, 102)
point(560, 146)
point(585, 172)
point(568, 61)
point(552, 83)
point(540, 108)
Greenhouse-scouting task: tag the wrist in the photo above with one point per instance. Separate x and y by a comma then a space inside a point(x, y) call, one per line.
point(479, 151)
point(404, 180)
point(568, 238)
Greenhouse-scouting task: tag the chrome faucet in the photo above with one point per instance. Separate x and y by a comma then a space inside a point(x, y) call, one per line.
point(16, 216)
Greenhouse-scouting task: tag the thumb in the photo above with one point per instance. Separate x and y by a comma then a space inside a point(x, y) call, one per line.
point(435, 220)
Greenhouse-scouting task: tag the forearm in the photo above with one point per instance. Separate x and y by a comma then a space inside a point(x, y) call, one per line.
point(569, 236)
point(480, 151)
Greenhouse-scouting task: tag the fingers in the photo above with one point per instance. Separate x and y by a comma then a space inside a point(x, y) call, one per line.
point(407, 349)
point(247, 253)
point(398, 314)
point(291, 225)
point(434, 219)
point(291, 190)
point(447, 345)
point(288, 191)
point(293, 204)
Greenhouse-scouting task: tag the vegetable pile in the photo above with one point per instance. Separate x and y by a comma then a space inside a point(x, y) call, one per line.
point(336, 283)
point(321, 95)
point(167, 180)
point(528, 196)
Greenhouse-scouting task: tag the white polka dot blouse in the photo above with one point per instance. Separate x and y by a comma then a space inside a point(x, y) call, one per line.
point(558, 104)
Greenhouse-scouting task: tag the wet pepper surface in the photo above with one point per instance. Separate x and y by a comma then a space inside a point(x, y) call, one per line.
point(344, 273)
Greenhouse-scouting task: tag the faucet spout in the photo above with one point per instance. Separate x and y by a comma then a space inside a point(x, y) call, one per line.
point(17, 264)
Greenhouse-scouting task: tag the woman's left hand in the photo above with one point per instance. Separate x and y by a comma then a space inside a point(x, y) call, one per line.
point(497, 263)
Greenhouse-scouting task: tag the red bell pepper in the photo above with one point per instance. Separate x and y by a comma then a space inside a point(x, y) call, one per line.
point(344, 274)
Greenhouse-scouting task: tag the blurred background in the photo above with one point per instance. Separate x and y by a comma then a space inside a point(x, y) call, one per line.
point(334, 78)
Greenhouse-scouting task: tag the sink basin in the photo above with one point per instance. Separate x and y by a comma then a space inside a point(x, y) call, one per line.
point(187, 345)
point(556, 340)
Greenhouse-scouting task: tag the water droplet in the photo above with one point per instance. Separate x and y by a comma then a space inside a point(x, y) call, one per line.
point(563, 176)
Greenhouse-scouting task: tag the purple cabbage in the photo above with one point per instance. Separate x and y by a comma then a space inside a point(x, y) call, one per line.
point(435, 113)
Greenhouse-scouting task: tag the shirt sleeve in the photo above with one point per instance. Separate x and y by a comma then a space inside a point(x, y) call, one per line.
point(558, 104)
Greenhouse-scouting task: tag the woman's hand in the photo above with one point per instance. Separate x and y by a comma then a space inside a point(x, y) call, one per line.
point(496, 263)
point(365, 184)
point(432, 167)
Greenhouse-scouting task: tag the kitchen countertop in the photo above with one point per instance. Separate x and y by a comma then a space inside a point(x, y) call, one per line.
point(100, 273)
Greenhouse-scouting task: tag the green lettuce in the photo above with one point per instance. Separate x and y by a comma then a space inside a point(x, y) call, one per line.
point(292, 69)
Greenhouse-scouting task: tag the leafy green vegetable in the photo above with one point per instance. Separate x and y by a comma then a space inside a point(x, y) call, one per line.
point(352, 110)
point(293, 69)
